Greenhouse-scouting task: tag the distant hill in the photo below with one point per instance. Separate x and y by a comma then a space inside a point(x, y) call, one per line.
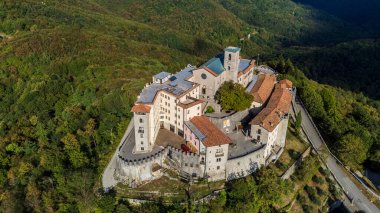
point(362, 13)
point(71, 69)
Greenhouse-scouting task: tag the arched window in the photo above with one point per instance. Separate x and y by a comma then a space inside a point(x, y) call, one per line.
point(229, 57)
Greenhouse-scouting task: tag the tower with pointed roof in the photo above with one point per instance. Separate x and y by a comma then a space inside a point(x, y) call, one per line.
point(231, 62)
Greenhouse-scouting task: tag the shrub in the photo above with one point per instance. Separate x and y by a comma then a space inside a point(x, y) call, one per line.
point(317, 179)
point(281, 165)
point(307, 169)
point(307, 208)
point(301, 199)
point(312, 193)
point(320, 191)
point(294, 154)
point(209, 109)
point(334, 191)
point(323, 171)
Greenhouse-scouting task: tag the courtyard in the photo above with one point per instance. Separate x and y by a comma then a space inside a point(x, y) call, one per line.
point(164, 138)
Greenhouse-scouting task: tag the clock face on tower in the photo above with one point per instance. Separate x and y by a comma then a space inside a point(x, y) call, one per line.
point(204, 76)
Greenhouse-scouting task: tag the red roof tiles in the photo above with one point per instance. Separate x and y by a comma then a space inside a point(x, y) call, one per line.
point(263, 88)
point(214, 136)
point(286, 82)
point(277, 106)
point(141, 108)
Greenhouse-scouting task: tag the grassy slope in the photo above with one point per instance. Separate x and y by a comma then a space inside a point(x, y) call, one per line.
point(71, 62)
point(67, 65)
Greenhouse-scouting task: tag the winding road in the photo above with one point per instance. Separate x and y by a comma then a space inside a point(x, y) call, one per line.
point(359, 200)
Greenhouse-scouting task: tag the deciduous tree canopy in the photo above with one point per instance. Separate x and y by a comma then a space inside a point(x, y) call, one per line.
point(232, 96)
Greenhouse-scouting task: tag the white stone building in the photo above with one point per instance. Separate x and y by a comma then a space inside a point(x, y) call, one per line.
point(224, 67)
point(265, 126)
point(176, 102)
point(210, 143)
point(166, 103)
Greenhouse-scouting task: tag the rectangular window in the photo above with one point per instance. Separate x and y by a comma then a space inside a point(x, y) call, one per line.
point(141, 135)
point(142, 142)
point(142, 148)
point(218, 167)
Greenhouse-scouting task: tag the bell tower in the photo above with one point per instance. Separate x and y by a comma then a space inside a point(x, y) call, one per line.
point(231, 62)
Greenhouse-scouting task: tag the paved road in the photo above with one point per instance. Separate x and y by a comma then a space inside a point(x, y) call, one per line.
point(360, 201)
point(108, 180)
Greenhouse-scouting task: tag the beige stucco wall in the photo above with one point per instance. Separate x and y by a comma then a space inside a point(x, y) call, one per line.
point(216, 169)
point(245, 165)
point(211, 83)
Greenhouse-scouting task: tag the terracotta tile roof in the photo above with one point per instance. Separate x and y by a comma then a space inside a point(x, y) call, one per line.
point(214, 136)
point(278, 105)
point(286, 82)
point(141, 108)
point(263, 88)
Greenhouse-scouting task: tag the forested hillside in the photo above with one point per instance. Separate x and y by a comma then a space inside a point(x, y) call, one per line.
point(70, 71)
point(364, 13)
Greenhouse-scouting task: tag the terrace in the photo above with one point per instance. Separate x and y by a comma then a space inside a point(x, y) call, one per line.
point(164, 138)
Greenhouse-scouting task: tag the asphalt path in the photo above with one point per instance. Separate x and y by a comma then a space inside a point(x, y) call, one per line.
point(359, 200)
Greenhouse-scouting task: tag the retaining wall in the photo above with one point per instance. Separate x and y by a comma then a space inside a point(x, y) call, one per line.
point(134, 172)
point(245, 165)
point(294, 166)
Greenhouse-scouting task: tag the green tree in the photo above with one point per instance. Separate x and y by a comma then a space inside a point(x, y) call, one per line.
point(271, 188)
point(313, 101)
point(217, 204)
point(352, 151)
point(72, 148)
point(330, 104)
point(297, 124)
point(307, 169)
point(243, 195)
point(232, 96)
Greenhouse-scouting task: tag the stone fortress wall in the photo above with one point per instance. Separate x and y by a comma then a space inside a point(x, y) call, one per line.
point(134, 172)
point(245, 165)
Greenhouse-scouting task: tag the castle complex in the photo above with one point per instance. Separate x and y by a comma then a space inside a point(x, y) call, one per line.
point(171, 130)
